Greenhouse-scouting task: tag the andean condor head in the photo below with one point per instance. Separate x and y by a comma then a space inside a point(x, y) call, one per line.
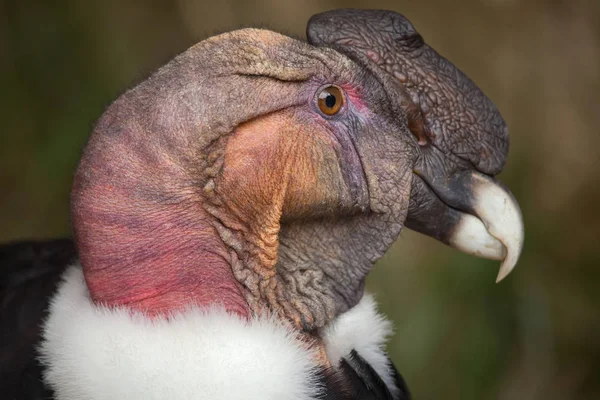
point(268, 174)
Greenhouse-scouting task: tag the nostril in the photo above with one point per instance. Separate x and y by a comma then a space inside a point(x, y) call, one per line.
point(416, 123)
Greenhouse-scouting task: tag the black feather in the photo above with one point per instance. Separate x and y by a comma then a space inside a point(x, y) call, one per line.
point(29, 275)
point(355, 379)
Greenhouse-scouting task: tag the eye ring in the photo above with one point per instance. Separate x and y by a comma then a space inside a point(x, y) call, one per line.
point(330, 100)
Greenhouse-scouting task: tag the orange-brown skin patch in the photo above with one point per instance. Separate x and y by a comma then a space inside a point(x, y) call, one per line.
point(275, 167)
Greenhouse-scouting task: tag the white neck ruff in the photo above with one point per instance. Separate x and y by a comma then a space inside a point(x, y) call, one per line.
point(98, 353)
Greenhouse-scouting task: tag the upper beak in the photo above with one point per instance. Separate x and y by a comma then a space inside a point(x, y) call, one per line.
point(472, 212)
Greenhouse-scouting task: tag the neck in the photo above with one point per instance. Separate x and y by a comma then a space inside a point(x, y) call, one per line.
point(150, 257)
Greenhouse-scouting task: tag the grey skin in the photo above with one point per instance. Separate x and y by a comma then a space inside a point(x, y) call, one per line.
point(463, 139)
point(173, 200)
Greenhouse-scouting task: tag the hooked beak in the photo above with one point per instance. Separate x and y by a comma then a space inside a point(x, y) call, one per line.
point(470, 211)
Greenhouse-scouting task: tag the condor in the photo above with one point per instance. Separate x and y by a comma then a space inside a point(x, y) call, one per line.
point(227, 210)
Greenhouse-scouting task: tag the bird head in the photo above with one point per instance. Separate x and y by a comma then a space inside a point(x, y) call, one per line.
point(268, 175)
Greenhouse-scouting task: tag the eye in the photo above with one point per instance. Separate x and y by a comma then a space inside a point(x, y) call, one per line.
point(330, 100)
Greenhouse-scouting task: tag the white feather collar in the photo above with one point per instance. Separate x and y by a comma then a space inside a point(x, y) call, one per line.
point(96, 353)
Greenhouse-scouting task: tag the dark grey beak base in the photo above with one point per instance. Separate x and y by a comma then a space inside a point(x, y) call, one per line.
point(470, 211)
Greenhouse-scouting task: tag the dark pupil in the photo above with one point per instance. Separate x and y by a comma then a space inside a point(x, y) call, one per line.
point(330, 100)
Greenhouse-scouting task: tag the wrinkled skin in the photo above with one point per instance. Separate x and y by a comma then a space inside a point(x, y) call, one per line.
point(219, 179)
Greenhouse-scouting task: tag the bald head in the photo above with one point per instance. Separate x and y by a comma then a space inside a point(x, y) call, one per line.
point(255, 171)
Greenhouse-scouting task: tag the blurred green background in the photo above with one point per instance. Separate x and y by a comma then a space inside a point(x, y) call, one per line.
point(458, 335)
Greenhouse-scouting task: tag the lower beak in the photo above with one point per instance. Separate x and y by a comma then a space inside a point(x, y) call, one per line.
point(470, 211)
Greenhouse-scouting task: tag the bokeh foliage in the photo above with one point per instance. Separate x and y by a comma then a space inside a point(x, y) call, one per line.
point(458, 336)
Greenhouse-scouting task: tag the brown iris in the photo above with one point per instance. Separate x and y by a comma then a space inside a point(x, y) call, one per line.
point(330, 100)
